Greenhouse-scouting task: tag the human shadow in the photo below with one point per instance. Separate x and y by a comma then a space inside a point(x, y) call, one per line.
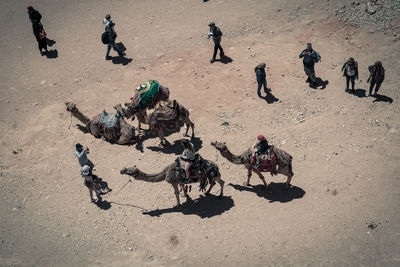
point(52, 53)
point(177, 148)
point(224, 59)
point(319, 83)
point(360, 93)
point(270, 98)
point(382, 98)
point(275, 192)
point(204, 207)
point(103, 204)
point(103, 185)
point(50, 42)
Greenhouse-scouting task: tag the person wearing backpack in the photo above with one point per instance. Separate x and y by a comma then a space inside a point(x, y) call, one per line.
point(111, 35)
point(376, 77)
point(37, 28)
point(350, 71)
point(310, 57)
point(261, 79)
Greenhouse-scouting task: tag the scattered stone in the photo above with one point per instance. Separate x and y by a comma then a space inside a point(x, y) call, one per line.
point(43, 82)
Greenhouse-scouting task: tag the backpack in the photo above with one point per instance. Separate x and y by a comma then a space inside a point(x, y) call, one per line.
point(318, 57)
point(104, 38)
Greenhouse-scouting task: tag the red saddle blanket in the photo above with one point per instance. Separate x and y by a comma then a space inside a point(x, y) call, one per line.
point(266, 165)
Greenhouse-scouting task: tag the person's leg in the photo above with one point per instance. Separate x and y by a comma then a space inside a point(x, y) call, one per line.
point(116, 48)
point(221, 51)
point(378, 85)
point(371, 86)
point(259, 89)
point(215, 52)
point(352, 78)
point(266, 90)
point(347, 83)
point(108, 51)
point(312, 77)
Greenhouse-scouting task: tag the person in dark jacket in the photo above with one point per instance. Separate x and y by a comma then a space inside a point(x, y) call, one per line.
point(350, 71)
point(112, 35)
point(261, 79)
point(37, 28)
point(376, 76)
point(216, 34)
point(309, 58)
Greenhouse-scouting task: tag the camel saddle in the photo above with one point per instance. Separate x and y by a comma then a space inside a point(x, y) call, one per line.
point(109, 120)
point(166, 111)
point(267, 162)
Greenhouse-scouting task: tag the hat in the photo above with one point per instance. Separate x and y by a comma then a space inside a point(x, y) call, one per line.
point(261, 137)
point(78, 146)
point(211, 24)
point(29, 7)
point(85, 170)
point(108, 16)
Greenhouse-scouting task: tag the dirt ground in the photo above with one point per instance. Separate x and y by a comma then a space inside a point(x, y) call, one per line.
point(343, 208)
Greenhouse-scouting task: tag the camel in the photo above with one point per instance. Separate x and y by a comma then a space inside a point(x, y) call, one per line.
point(174, 174)
point(118, 131)
point(141, 102)
point(157, 124)
point(283, 162)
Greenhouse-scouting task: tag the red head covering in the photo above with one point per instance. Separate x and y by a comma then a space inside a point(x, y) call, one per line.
point(261, 137)
point(29, 7)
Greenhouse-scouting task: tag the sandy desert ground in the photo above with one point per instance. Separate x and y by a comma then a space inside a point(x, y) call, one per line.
point(343, 207)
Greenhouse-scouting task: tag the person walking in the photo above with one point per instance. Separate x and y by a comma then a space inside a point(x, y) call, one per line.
point(310, 57)
point(111, 36)
point(216, 34)
point(350, 71)
point(37, 28)
point(376, 77)
point(261, 79)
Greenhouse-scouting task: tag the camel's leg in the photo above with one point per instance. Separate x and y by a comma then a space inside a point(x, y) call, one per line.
point(189, 124)
point(289, 178)
point(287, 171)
point(209, 189)
point(161, 136)
point(249, 172)
point(176, 191)
point(262, 179)
point(221, 183)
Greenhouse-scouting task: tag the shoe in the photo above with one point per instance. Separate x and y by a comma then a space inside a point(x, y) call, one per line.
point(346, 90)
point(222, 54)
point(108, 58)
point(212, 60)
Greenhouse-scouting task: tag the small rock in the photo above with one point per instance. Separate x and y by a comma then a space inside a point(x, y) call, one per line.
point(43, 82)
point(76, 80)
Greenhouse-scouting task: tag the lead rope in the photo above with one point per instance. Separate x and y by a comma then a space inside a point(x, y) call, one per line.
point(70, 124)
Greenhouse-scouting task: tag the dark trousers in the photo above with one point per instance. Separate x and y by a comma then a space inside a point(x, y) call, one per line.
point(373, 82)
point(309, 70)
point(115, 47)
point(216, 47)
point(348, 79)
point(261, 84)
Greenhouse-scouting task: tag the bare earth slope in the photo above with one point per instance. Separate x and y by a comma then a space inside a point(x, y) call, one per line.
point(343, 207)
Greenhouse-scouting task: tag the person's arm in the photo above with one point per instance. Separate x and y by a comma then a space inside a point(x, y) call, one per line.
point(356, 69)
point(344, 66)
point(301, 54)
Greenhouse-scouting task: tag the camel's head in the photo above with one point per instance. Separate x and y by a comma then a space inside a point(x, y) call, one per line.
point(122, 111)
point(71, 107)
point(132, 171)
point(218, 145)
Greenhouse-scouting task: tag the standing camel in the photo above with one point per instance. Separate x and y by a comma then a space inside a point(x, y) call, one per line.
point(111, 126)
point(174, 174)
point(282, 160)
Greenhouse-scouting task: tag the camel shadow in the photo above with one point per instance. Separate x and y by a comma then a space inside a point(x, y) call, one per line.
point(382, 98)
point(204, 207)
point(270, 98)
point(360, 93)
point(177, 148)
point(274, 193)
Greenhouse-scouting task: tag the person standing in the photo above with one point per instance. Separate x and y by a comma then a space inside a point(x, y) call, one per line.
point(89, 182)
point(350, 71)
point(261, 79)
point(111, 36)
point(37, 28)
point(310, 57)
point(216, 34)
point(376, 77)
point(81, 153)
